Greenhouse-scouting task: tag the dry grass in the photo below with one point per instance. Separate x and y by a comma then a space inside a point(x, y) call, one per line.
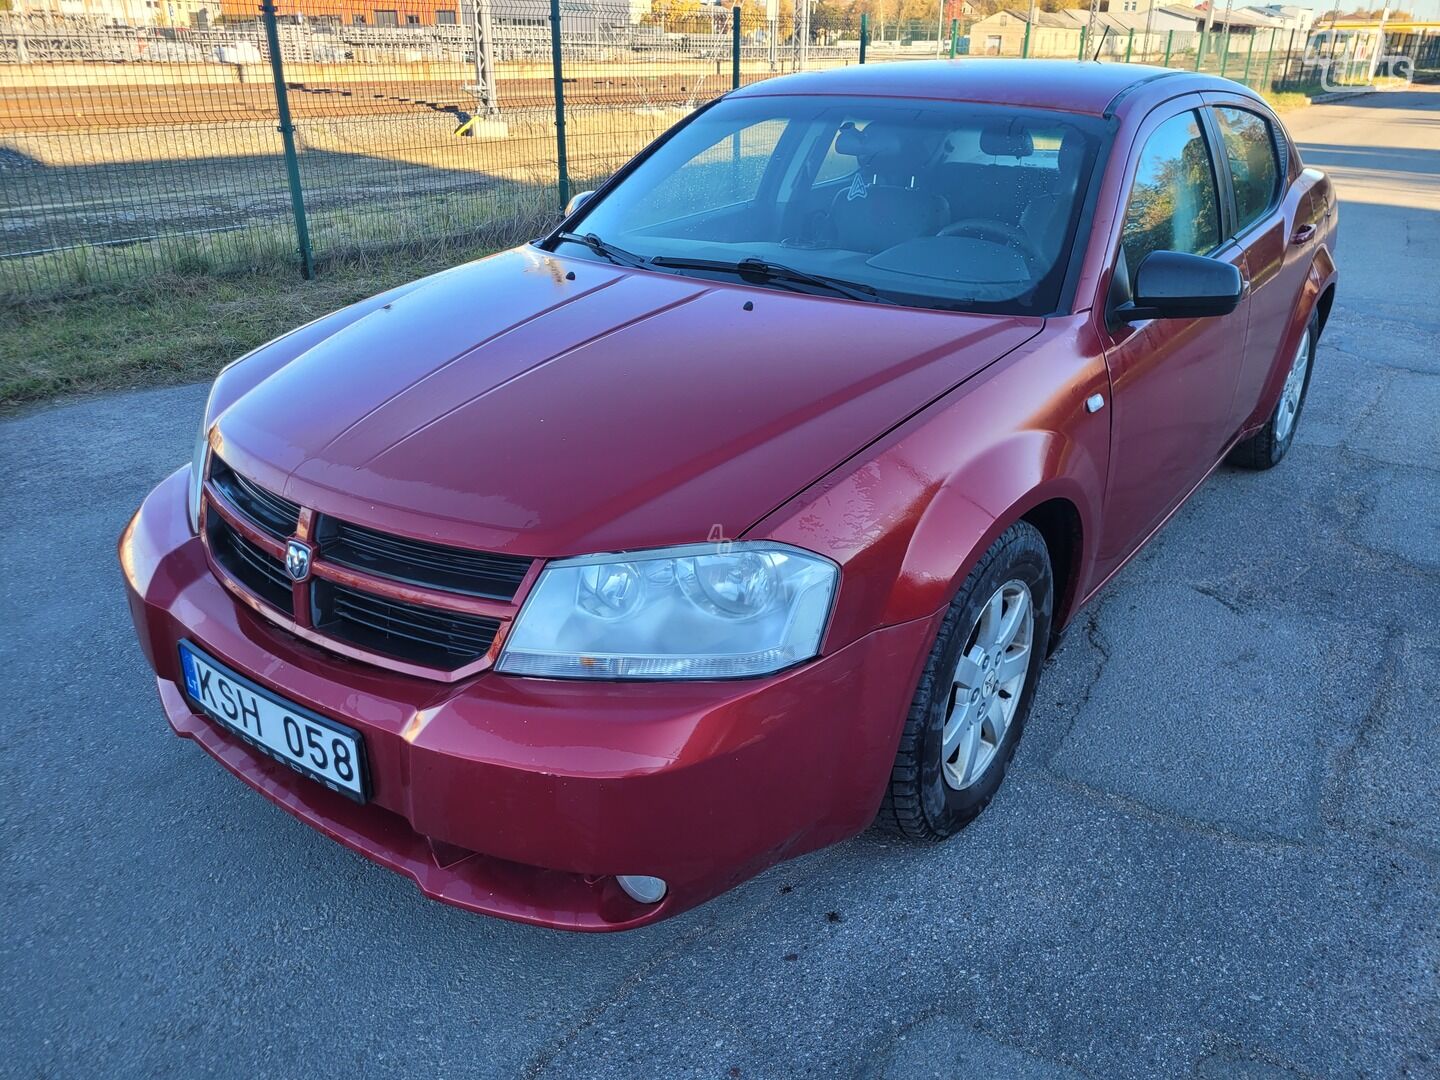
point(1285, 100)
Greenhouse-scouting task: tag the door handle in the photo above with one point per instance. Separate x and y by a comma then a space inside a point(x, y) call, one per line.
point(1303, 235)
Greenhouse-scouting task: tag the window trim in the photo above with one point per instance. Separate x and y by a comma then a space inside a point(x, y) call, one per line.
point(1233, 231)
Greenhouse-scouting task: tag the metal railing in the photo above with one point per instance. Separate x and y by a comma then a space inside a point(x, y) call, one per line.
point(318, 129)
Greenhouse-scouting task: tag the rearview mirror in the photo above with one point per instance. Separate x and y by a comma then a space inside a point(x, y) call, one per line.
point(1175, 285)
point(577, 201)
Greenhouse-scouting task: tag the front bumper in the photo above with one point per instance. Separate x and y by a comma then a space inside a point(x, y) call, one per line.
point(524, 797)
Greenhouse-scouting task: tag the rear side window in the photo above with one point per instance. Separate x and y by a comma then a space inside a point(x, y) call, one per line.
point(1254, 167)
point(1173, 202)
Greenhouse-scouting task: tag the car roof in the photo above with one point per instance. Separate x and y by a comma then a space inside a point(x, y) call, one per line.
point(1069, 85)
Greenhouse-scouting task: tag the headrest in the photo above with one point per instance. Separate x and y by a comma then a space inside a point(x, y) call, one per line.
point(1072, 152)
point(1006, 140)
point(865, 143)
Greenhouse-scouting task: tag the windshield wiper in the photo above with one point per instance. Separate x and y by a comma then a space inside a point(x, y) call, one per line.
point(771, 271)
point(619, 256)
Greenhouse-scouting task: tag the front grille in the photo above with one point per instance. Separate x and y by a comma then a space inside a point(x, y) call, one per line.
point(429, 636)
point(265, 510)
point(248, 564)
point(377, 615)
point(436, 566)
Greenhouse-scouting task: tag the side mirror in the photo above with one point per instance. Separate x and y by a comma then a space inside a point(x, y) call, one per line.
point(1174, 285)
point(577, 201)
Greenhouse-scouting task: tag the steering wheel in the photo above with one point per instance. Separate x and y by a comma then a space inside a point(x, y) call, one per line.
point(997, 232)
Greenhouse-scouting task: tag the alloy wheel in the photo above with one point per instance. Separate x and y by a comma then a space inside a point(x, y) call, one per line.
point(987, 683)
point(1294, 388)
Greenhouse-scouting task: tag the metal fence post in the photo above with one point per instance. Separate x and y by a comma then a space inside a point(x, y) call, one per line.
point(1081, 54)
point(735, 48)
point(864, 34)
point(561, 165)
point(1289, 55)
point(1169, 44)
point(954, 37)
point(1130, 45)
point(287, 136)
point(1225, 54)
point(1249, 56)
point(1269, 55)
point(1025, 45)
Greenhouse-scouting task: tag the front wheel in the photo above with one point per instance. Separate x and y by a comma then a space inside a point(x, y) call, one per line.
point(1269, 445)
point(975, 691)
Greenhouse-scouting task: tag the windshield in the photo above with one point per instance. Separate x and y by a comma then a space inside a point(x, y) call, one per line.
point(934, 204)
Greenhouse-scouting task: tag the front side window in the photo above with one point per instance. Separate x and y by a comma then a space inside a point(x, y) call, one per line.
point(948, 205)
point(1254, 167)
point(1173, 202)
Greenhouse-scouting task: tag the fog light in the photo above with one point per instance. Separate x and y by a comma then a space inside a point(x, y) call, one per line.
point(643, 890)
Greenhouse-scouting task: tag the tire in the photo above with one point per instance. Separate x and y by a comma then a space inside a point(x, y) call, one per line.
point(1268, 446)
point(923, 801)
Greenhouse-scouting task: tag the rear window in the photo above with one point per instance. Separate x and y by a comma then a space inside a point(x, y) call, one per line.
point(1254, 165)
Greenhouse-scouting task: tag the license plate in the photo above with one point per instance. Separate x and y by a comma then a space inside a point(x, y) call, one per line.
point(319, 748)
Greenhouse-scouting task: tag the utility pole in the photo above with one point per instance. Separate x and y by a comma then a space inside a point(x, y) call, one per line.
point(801, 32)
point(1379, 42)
point(487, 102)
point(772, 22)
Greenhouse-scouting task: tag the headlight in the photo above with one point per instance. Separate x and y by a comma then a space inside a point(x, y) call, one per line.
point(694, 612)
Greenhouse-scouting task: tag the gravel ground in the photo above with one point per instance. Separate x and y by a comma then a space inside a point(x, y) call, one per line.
point(1218, 854)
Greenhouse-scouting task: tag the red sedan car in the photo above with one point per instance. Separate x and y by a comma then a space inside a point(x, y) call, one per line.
point(583, 582)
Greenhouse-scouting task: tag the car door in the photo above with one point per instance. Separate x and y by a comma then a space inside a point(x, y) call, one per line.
point(1173, 381)
point(1266, 222)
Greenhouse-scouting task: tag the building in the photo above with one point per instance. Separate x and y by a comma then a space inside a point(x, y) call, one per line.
point(179, 14)
point(1003, 34)
point(1238, 22)
point(1290, 16)
point(591, 14)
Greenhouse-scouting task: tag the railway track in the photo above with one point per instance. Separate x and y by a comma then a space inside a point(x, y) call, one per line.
point(41, 109)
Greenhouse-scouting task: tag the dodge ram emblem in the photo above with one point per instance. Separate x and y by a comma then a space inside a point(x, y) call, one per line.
point(297, 560)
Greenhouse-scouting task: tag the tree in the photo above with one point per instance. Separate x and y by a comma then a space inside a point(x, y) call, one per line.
point(674, 15)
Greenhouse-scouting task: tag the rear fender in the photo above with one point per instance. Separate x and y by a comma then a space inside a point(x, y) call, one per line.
point(1321, 276)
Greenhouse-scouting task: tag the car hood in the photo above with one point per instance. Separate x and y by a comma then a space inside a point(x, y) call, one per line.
point(540, 405)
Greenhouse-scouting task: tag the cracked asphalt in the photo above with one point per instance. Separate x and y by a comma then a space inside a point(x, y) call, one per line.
point(1218, 854)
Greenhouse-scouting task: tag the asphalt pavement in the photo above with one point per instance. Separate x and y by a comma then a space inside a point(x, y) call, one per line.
point(1217, 855)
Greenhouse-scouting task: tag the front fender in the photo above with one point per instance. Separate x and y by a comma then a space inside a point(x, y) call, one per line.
point(908, 518)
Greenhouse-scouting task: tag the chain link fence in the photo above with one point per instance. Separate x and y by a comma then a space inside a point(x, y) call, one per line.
point(293, 135)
